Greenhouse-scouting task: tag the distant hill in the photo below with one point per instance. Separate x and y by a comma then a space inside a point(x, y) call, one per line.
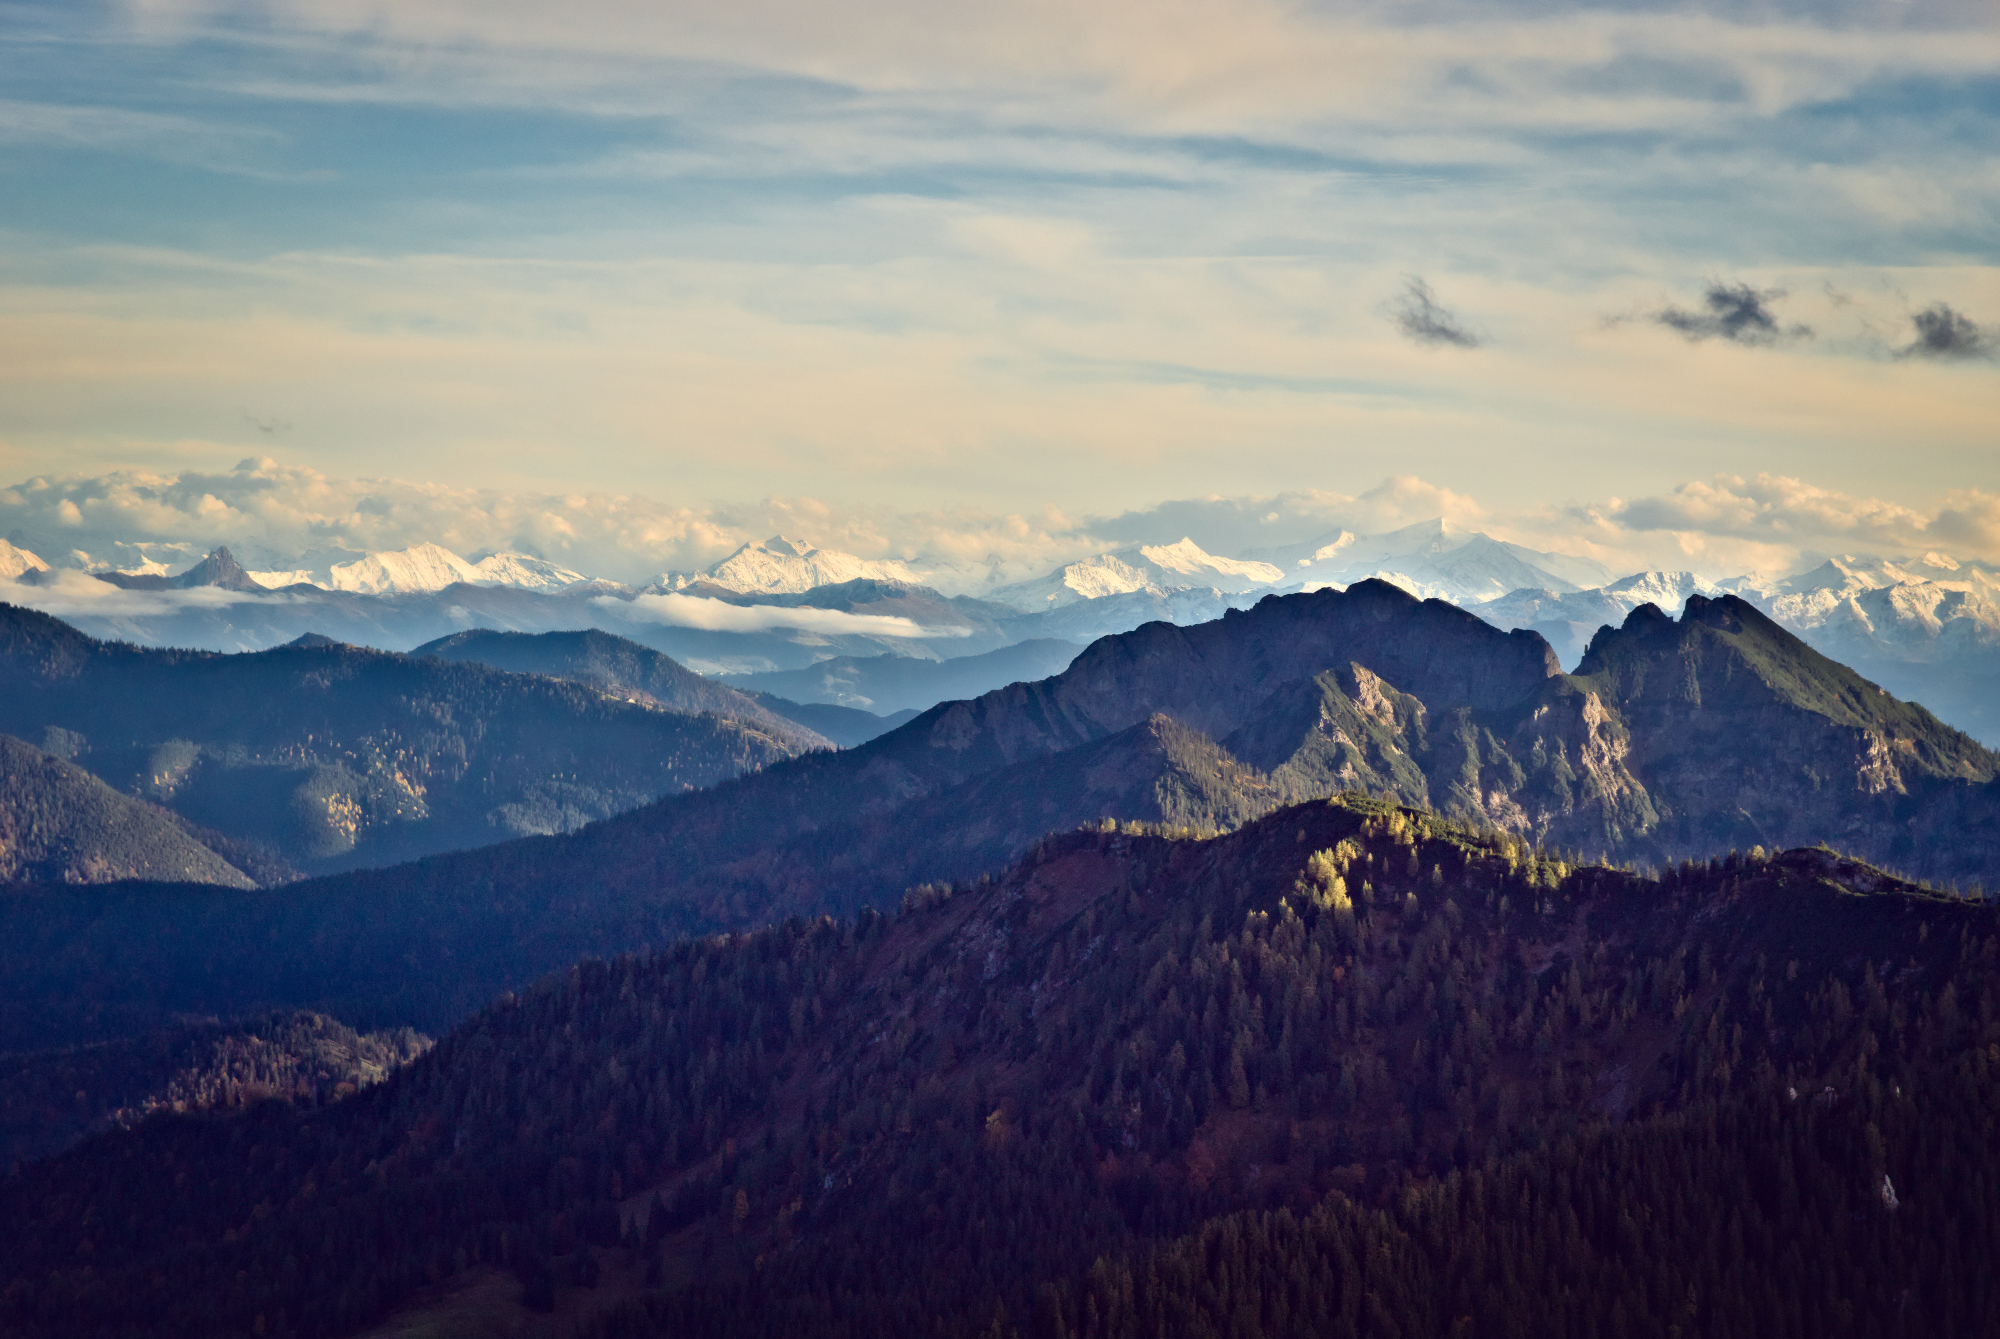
point(1351, 1069)
point(845, 726)
point(50, 1100)
point(60, 824)
point(332, 756)
point(618, 666)
point(885, 684)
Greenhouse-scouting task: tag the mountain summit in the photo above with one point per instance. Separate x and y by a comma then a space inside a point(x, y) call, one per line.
point(1152, 568)
point(219, 569)
point(781, 566)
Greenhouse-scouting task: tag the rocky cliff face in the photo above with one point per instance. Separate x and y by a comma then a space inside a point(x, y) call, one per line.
point(1745, 736)
point(1673, 740)
point(1680, 739)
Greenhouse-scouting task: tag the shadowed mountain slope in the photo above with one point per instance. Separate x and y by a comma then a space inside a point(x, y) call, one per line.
point(899, 1124)
point(621, 667)
point(905, 683)
point(60, 824)
point(50, 1100)
point(334, 756)
point(1199, 727)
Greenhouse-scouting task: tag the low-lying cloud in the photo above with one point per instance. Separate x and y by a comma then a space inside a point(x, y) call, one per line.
point(1734, 312)
point(1947, 334)
point(74, 594)
point(1417, 313)
point(693, 611)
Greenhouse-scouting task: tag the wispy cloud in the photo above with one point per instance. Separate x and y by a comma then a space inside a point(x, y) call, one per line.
point(188, 140)
point(1735, 312)
point(1948, 334)
point(1418, 314)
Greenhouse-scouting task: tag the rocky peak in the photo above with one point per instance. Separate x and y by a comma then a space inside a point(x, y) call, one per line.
point(219, 568)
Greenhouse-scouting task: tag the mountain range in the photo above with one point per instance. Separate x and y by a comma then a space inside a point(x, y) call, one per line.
point(1338, 965)
point(1678, 739)
point(324, 756)
point(1926, 627)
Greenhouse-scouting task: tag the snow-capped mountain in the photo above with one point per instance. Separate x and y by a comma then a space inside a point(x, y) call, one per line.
point(1154, 568)
point(781, 566)
point(1810, 598)
point(421, 567)
point(1606, 604)
point(14, 562)
point(1930, 609)
point(272, 580)
point(1568, 619)
point(1433, 558)
point(1927, 629)
point(524, 572)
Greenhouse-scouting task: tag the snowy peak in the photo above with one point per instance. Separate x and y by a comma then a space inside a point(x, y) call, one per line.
point(15, 562)
point(1188, 559)
point(422, 569)
point(415, 570)
point(781, 566)
point(1153, 568)
point(1668, 590)
point(1823, 595)
point(1439, 559)
point(525, 572)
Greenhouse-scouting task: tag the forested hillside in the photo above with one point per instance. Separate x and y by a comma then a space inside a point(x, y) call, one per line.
point(331, 757)
point(50, 1100)
point(1473, 1073)
point(59, 824)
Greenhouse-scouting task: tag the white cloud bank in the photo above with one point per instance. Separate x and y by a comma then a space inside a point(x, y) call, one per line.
point(273, 516)
point(73, 594)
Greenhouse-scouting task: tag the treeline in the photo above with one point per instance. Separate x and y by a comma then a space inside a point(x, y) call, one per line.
point(900, 1123)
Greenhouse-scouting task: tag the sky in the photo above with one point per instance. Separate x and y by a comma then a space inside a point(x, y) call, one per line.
point(626, 283)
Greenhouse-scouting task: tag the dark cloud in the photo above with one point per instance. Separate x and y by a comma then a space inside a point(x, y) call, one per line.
point(1735, 312)
point(1417, 314)
point(1944, 333)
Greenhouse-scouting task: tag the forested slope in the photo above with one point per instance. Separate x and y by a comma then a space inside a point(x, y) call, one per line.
point(901, 1124)
point(51, 1099)
point(59, 824)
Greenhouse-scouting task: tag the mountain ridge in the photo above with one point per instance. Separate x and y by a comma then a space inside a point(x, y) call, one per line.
point(334, 755)
point(899, 1123)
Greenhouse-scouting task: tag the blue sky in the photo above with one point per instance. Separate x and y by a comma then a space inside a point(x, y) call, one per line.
point(891, 260)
